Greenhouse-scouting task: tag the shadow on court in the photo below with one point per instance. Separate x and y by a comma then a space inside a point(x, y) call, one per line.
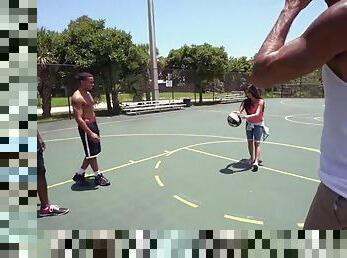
point(88, 185)
point(237, 167)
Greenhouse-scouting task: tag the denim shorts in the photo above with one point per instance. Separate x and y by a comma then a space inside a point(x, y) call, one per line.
point(255, 133)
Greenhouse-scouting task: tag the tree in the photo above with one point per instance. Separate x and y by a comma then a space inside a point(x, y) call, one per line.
point(136, 71)
point(241, 64)
point(106, 52)
point(46, 56)
point(205, 62)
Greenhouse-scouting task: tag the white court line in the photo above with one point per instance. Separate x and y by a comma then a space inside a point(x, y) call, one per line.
point(300, 225)
point(266, 168)
point(151, 134)
point(113, 168)
point(168, 153)
point(227, 112)
point(288, 118)
point(318, 118)
point(101, 123)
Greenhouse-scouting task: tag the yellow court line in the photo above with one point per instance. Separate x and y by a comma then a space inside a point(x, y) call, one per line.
point(157, 165)
point(159, 182)
point(185, 201)
point(231, 139)
point(131, 161)
point(258, 222)
point(203, 143)
point(114, 168)
point(300, 225)
point(266, 168)
point(168, 153)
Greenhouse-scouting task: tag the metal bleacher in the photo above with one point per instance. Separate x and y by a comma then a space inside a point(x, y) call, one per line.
point(232, 97)
point(135, 108)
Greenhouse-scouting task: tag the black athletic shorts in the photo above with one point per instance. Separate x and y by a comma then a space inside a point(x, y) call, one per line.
point(41, 170)
point(91, 149)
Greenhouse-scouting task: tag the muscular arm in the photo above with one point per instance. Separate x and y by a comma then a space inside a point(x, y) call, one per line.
point(325, 38)
point(78, 112)
point(41, 142)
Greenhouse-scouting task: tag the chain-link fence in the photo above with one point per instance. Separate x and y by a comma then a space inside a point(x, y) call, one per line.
point(186, 83)
point(56, 83)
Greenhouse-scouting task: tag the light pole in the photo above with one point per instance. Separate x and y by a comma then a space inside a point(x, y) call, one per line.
point(153, 52)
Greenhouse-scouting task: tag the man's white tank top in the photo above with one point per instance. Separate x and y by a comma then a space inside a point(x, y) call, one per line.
point(333, 158)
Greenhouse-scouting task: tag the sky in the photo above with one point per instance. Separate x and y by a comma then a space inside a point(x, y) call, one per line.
point(240, 26)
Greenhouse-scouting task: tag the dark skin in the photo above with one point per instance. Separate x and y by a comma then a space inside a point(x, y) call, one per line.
point(324, 42)
point(41, 180)
point(83, 106)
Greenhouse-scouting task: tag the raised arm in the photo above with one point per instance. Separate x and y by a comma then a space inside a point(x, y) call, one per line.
point(325, 38)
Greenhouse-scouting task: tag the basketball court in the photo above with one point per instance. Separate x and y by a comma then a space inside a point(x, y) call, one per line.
point(185, 170)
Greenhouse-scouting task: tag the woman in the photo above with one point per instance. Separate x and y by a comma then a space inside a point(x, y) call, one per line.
point(254, 107)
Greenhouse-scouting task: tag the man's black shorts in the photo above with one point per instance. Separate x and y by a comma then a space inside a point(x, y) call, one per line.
point(91, 149)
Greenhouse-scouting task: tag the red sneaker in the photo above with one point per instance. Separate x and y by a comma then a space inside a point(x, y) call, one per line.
point(52, 210)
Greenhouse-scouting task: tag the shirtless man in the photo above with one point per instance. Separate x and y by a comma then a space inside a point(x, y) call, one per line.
point(83, 106)
point(323, 44)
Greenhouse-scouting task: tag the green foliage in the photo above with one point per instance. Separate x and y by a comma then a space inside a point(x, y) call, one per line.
point(207, 61)
point(46, 46)
point(241, 64)
point(109, 53)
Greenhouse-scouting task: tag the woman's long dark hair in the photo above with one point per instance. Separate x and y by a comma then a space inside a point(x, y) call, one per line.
point(255, 93)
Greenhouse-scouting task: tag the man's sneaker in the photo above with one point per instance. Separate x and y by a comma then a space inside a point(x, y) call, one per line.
point(101, 180)
point(249, 162)
point(52, 210)
point(79, 178)
point(255, 167)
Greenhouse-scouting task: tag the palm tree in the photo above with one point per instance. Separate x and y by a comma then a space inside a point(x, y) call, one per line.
point(45, 70)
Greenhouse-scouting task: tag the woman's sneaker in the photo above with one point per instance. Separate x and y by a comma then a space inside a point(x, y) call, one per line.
point(52, 210)
point(101, 180)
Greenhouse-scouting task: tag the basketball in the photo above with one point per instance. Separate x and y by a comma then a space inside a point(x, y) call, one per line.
point(234, 119)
